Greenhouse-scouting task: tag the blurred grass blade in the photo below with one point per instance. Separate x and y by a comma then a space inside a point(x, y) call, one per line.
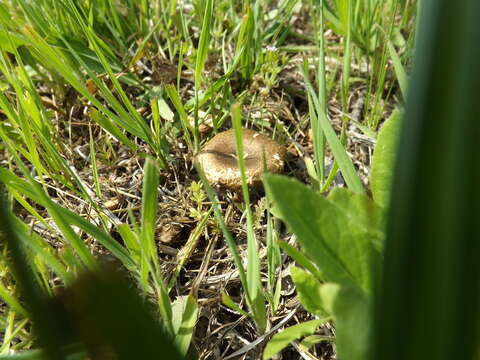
point(13, 303)
point(218, 84)
point(49, 331)
point(431, 274)
point(245, 40)
point(318, 135)
point(228, 301)
point(108, 125)
point(41, 249)
point(131, 241)
point(317, 170)
point(110, 317)
point(345, 12)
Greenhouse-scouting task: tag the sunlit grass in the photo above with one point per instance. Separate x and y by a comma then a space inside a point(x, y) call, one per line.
point(98, 67)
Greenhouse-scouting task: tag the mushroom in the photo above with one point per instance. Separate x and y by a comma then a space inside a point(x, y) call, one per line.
point(218, 158)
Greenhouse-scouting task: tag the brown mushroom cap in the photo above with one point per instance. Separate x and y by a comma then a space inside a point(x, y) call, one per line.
point(218, 158)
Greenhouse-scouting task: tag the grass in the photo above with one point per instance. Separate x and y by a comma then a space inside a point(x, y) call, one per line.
point(103, 107)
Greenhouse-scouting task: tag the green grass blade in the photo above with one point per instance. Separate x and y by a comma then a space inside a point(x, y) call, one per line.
point(319, 138)
point(300, 258)
point(232, 245)
point(149, 219)
point(109, 126)
point(177, 103)
point(348, 171)
point(203, 43)
point(285, 337)
point(399, 69)
point(202, 52)
point(184, 335)
point(253, 261)
point(103, 238)
point(11, 301)
point(131, 241)
point(93, 161)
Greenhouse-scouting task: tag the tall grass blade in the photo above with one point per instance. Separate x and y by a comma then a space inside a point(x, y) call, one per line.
point(346, 166)
point(149, 217)
point(232, 245)
point(399, 69)
point(253, 261)
point(202, 53)
point(182, 114)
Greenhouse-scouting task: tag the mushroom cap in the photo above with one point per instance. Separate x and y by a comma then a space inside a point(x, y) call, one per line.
point(218, 158)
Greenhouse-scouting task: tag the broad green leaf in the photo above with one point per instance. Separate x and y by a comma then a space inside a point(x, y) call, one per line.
point(351, 310)
point(281, 340)
point(334, 232)
point(365, 214)
point(384, 159)
point(308, 290)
